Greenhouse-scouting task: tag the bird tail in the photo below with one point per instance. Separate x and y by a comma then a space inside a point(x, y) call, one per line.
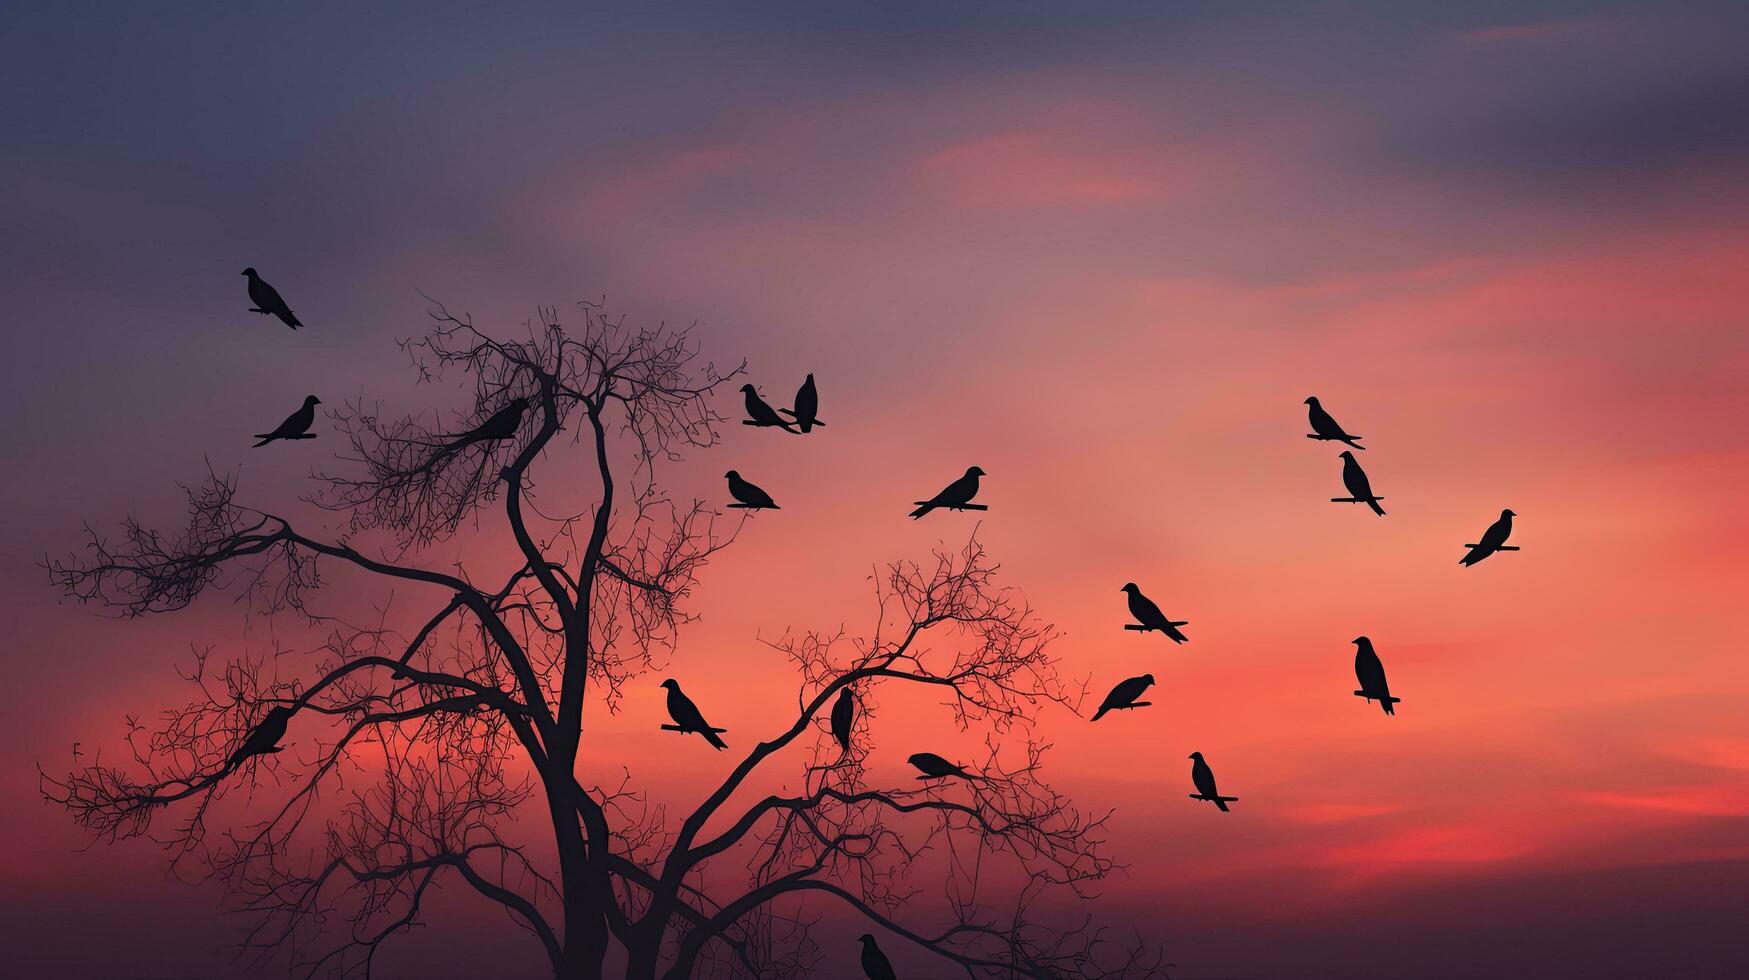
point(1100, 713)
point(714, 739)
point(1376, 508)
point(920, 511)
point(265, 439)
point(1221, 802)
point(1474, 556)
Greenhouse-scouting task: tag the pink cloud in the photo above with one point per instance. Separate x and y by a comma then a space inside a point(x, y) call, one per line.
point(632, 190)
point(1698, 801)
point(1034, 168)
point(1430, 845)
point(1321, 813)
point(1718, 751)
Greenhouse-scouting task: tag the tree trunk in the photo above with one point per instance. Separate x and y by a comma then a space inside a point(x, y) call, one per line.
point(586, 936)
point(641, 961)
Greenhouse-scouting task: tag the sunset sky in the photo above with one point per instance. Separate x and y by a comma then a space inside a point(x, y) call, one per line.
point(1103, 251)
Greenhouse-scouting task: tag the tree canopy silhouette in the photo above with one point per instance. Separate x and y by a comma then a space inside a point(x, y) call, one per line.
point(403, 753)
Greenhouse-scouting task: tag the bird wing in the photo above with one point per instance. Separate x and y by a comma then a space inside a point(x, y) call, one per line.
point(1354, 478)
point(266, 297)
point(933, 765)
point(759, 411)
point(747, 493)
point(876, 964)
point(1322, 423)
point(502, 424)
point(1114, 699)
point(1496, 534)
point(1204, 778)
point(1370, 671)
point(298, 422)
point(1146, 612)
point(684, 712)
point(943, 498)
point(960, 491)
point(843, 713)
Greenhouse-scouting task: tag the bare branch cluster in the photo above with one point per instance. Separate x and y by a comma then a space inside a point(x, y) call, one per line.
point(413, 745)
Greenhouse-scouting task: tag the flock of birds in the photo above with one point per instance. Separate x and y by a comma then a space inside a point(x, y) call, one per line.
point(959, 495)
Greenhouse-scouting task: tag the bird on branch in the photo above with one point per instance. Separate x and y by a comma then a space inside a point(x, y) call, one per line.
point(1124, 696)
point(955, 496)
point(296, 425)
point(1149, 617)
point(875, 964)
point(843, 717)
point(267, 300)
point(1359, 487)
point(264, 738)
point(933, 766)
point(1370, 671)
point(807, 406)
point(687, 718)
point(1326, 428)
point(1204, 778)
point(1492, 540)
point(747, 495)
point(760, 413)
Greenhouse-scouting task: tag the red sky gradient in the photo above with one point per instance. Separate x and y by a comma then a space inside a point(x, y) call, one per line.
point(1510, 251)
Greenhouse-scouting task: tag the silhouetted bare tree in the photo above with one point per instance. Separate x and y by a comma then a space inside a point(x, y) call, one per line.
point(409, 749)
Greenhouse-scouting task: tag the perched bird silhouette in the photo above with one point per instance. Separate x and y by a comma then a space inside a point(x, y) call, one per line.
point(1492, 539)
point(687, 718)
point(1204, 778)
point(761, 414)
point(264, 738)
point(747, 495)
point(933, 766)
point(807, 406)
point(1149, 617)
point(501, 425)
point(955, 496)
point(267, 300)
point(1124, 695)
point(1359, 487)
point(1326, 428)
point(296, 425)
point(1370, 671)
point(843, 716)
point(874, 962)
